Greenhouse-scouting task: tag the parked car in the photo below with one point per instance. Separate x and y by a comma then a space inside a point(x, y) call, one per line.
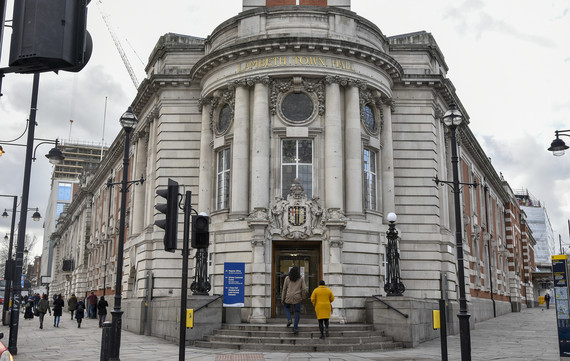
point(5, 355)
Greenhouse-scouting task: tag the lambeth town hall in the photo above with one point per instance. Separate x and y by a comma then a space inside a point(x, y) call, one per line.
point(298, 128)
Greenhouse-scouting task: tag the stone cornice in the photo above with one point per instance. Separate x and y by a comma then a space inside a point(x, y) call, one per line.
point(150, 87)
point(268, 46)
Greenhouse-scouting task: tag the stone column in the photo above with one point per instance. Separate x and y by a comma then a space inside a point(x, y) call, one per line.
point(205, 184)
point(260, 287)
point(333, 147)
point(353, 152)
point(260, 146)
point(388, 197)
point(240, 154)
point(139, 189)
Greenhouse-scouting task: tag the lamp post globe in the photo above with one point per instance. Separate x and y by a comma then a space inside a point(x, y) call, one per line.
point(36, 216)
point(558, 147)
point(55, 156)
point(128, 120)
point(391, 217)
point(452, 117)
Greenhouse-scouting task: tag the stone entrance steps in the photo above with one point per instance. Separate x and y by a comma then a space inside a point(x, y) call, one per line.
point(277, 337)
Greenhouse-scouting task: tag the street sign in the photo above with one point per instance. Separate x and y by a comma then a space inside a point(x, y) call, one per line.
point(234, 284)
point(560, 275)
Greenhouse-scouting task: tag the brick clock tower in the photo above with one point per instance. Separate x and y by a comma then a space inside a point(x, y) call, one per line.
point(250, 4)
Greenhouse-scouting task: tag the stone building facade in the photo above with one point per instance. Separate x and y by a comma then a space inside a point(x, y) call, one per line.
point(298, 128)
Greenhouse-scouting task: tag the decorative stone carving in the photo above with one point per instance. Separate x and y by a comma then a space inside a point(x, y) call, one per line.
point(298, 84)
point(296, 217)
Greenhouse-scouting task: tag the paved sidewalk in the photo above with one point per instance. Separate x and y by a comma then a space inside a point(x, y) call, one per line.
point(530, 335)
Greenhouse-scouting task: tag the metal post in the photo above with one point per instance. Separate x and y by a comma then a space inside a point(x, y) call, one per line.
point(464, 331)
point(9, 269)
point(117, 313)
point(443, 329)
point(15, 316)
point(184, 296)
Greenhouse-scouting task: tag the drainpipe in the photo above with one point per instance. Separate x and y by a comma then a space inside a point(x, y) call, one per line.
point(489, 252)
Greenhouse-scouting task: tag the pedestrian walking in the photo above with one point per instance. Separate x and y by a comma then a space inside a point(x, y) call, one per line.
point(547, 300)
point(37, 299)
point(57, 310)
point(321, 299)
point(43, 308)
point(92, 302)
point(80, 312)
point(102, 310)
point(29, 308)
point(293, 293)
point(72, 304)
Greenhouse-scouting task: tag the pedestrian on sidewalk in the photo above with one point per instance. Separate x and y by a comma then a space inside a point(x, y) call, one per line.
point(80, 312)
point(43, 308)
point(102, 310)
point(72, 304)
point(57, 310)
point(321, 299)
point(29, 309)
point(92, 302)
point(547, 300)
point(293, 293)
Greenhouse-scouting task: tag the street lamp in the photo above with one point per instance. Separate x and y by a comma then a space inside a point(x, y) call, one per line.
point(557, 147)
point(394, 285)
point(452, 119)
point(128, 121)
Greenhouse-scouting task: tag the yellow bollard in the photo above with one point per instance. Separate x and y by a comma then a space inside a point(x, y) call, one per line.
point(436, 320)
point(189, 318)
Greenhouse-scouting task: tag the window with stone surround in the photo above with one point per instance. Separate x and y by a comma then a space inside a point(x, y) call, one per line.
point(223, 179)
point(297, 162)
point(370, 180)
point(224, 119)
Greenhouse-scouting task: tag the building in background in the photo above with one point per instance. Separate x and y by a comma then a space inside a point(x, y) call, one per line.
point(79, 158)
point(539, 223)
point(298, 128)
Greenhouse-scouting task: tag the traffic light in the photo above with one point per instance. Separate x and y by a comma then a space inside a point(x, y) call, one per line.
point(170, 209)
point(200, 231)
point(50, 35)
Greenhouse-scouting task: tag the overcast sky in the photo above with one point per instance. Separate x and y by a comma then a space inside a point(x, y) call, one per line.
point(508, 59)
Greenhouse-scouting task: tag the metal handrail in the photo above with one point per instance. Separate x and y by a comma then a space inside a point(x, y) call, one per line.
point(389, 306)
point(206, 305)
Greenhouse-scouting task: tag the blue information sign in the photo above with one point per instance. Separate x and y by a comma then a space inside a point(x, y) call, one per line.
point(234, 284)
point(562, 307)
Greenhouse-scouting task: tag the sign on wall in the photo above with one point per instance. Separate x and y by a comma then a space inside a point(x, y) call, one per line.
point(560, 275)
point(234, 273)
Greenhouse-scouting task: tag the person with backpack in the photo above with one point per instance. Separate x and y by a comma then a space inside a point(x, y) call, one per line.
point(80, 312)
point(43, 308)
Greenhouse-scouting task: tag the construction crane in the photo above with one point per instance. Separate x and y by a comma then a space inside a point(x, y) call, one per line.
point(118, 45)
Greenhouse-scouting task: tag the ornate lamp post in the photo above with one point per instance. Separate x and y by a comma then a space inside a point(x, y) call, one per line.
point(394, 285)
point(128, 121)
point(452, 119)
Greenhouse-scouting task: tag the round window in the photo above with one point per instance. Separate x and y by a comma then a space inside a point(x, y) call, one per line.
point(368, 118)
point(225, 118)
point(297, 107)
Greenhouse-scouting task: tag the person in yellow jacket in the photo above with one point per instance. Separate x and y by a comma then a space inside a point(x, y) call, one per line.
point(322, 298)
